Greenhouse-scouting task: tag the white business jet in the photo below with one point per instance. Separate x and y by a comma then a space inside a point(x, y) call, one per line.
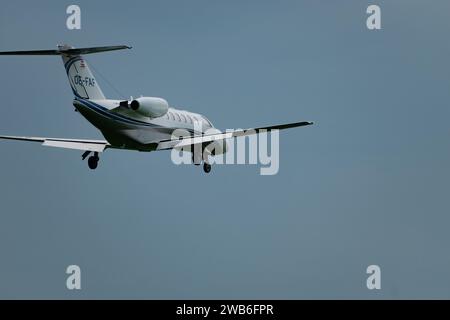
point(142, 124)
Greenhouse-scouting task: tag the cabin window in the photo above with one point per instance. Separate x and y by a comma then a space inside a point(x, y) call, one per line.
point(183, 118)
point(177, 116)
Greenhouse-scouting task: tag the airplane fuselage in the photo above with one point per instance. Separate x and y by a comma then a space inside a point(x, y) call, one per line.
point(125, 129)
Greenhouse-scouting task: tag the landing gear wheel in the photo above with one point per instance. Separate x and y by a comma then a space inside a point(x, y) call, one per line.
point(93, 162)
point(206, 167)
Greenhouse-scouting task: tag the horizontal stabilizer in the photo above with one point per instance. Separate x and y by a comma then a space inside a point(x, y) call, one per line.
point(63, 50)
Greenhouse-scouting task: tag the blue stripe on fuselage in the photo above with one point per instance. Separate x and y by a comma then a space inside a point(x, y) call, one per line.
point(120, 118)
point(110, 115)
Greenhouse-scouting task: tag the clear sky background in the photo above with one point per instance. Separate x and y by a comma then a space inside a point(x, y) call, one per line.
point(367, 184)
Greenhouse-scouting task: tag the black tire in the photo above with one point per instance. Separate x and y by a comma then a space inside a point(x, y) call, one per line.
point(206, 167)
point(93, 162)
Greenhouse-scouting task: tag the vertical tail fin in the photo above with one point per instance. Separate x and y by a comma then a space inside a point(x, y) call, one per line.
point(81, 79)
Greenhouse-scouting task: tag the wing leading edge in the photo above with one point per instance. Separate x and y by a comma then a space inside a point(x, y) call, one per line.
point(196, 139)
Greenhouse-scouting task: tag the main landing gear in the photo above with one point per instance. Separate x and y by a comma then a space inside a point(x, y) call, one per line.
point(198, 161)
point(206, 167)
point(92, 161)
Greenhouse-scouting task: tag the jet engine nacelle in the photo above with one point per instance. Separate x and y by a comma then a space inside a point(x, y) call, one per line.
point(150, 106)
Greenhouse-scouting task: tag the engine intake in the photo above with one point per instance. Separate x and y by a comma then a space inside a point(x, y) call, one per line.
point(150, 106)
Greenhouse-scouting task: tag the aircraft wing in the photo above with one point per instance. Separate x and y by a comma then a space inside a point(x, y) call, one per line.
point(196, 139)
point(101, 145)
point(77, 144)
